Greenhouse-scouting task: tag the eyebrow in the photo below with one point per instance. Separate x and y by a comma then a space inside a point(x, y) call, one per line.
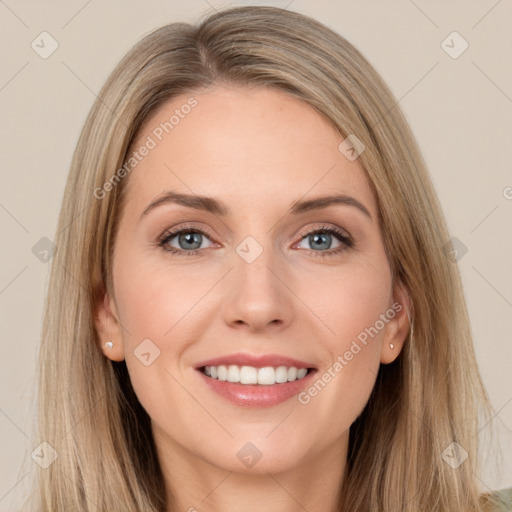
point(209, 204)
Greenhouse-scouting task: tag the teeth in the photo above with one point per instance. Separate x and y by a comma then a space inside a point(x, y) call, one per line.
point(222, 373)
point(250, 375)
point(233, 373)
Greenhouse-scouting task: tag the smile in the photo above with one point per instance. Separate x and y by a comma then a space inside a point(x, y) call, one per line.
point(251, 375)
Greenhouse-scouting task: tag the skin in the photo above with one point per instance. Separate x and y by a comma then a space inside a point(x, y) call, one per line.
point(257, 150)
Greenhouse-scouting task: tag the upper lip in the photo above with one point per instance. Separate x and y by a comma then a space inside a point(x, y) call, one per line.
point(257, 361)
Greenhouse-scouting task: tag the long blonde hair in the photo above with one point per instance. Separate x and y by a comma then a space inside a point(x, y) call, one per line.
point(430, 397)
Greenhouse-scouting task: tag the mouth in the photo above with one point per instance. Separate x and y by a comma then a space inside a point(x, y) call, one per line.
point(255, 381)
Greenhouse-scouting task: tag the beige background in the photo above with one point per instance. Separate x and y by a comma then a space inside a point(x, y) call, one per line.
point(460, 110)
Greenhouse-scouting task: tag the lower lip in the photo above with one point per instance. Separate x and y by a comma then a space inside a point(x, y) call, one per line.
point(257, 395)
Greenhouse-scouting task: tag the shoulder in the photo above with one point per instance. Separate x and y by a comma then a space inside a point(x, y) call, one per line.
point(498, 501)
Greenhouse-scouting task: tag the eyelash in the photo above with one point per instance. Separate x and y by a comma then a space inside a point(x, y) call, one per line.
point(345, 240)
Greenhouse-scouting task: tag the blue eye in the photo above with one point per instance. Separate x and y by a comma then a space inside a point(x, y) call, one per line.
point(322, 237)
point(190, 241)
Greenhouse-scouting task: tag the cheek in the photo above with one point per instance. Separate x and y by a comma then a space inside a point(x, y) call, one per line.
point(155, 297)
point(350, 303)
point(347, 300)
point(152, 304)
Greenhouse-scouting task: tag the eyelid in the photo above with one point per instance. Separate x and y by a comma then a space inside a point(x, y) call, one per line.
point(329, 228)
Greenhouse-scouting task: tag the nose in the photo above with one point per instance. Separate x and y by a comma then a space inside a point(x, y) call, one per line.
point(257, 297)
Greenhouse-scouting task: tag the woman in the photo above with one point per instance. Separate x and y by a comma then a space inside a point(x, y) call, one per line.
point(312, 349)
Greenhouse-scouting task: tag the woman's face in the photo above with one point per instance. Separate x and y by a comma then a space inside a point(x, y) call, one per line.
point(267, 278)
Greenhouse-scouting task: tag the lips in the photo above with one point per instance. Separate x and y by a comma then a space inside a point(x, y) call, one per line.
point(257, 361)
point(255, 395)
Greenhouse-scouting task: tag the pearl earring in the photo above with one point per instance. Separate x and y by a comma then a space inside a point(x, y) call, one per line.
point(109, 345)
point(391, 346)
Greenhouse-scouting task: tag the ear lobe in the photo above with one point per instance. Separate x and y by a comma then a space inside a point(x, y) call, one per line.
point(398, 327)
point(108, 328)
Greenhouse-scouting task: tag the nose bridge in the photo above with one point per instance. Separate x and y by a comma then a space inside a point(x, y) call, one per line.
point(257, 295)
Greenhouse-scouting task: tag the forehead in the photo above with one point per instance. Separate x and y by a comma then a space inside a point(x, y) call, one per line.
point(256, 144)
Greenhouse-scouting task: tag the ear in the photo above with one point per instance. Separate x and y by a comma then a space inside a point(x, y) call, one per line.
point(109, 327)
point(398, 326)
